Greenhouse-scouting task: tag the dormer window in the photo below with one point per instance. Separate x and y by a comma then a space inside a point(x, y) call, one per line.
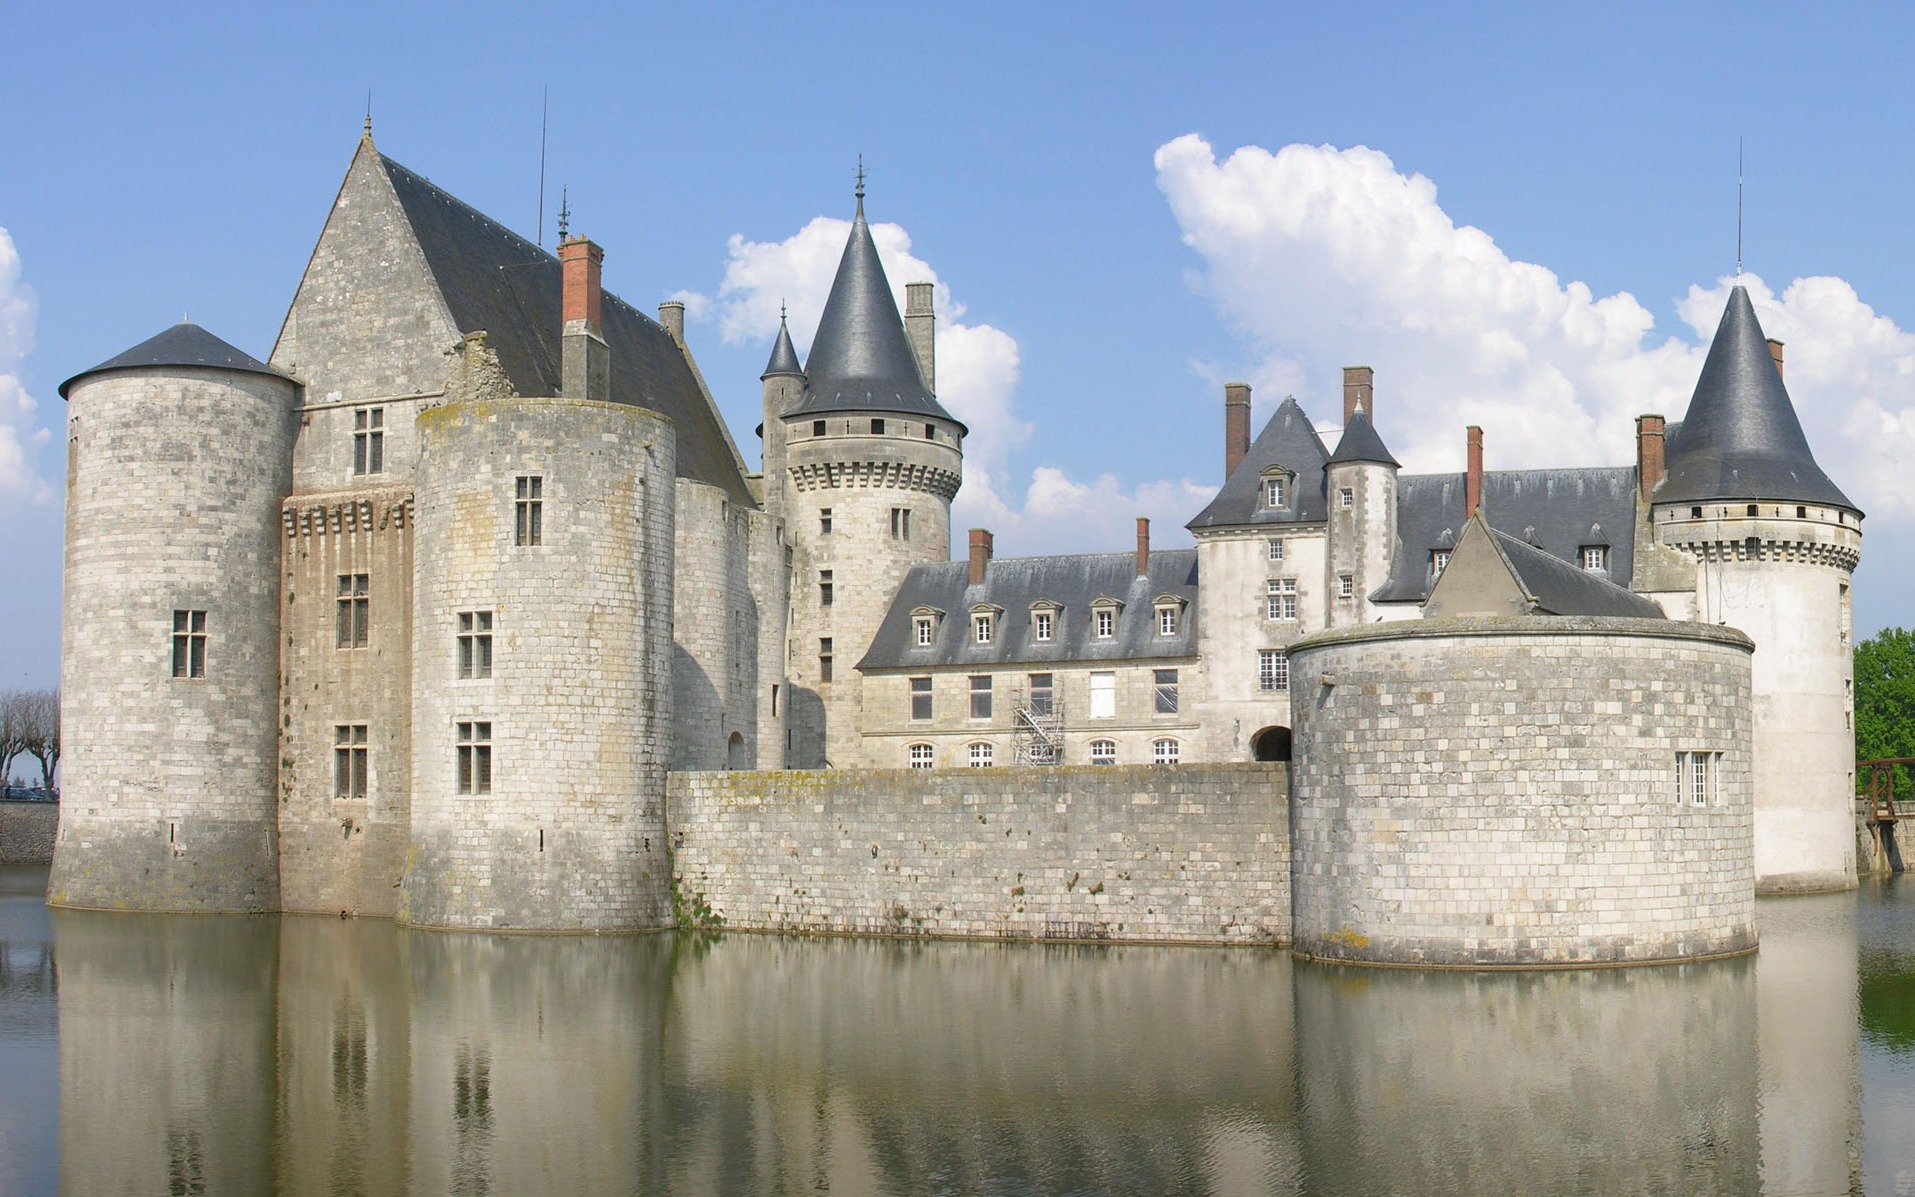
point(1275, 489)
point(1168, 609)
point(1104, 618)
point(981, 628)
point(1438, 559)
point(1595, 557)
point(1044, 623)
point(924, 626)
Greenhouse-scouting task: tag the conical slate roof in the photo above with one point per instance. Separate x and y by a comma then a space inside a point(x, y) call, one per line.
point(1288, 440)
point(1740, 438)
point(184, 344)
point(1361, 443)
point(861, 359)
point(784, 358)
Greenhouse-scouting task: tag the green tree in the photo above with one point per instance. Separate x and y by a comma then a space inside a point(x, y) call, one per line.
point(1885, 700)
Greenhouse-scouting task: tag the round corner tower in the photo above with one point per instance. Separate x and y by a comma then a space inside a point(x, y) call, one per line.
point(1775, 545)
point(1361, 480)
point(179, 455)
point(870, 464)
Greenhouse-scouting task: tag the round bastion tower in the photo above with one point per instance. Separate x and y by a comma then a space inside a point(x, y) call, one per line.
point(871, 463)
point(1775, 544)
point(179, 454)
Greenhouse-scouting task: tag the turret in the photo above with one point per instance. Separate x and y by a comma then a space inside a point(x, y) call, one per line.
point(872, 463)
point(784, 385)
point(1775, 544)
point(1360, 481)
point(179, 452)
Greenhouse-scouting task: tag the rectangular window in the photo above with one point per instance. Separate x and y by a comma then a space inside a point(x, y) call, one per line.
point(1103, 752)
point(900, 523)
point(981, 756)
point(1439, 559)
point(1595, 556)
point(1346, 585)
point(1276, 548)
point(824, 658)
point(475, 644)
point(981, 629)
point(877, 427)
point(1165, 683)
point(475, 758)
point(355, 611)
point(349, 760)
point(824, 521)
point(1164, 752)
point(189, 644)
point(1273, 669)
point(924, 630)
point(1166, 621)
point(922, 756)
point(369, 440)
point(980, 698)
point(1280, 598)
point(1273, 492)
point(1103, 696)
point(920, 698)
point(529, 511)
point(817, 428)
point(1106, 623)
point(1696, 774)
point(930, 432)
point(1346, 496)
point(824, 588)
point(1043, 694)
point(1042, 625)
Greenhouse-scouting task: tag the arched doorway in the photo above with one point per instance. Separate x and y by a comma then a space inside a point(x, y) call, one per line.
point(735, 756)
point(1270, 744)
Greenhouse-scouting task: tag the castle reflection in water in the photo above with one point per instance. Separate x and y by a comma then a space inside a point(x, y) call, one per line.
point(303, 1055)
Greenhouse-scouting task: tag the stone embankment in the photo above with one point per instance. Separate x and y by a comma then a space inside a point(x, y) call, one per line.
point(26, 831)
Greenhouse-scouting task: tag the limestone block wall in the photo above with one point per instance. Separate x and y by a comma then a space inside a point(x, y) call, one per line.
point(768, 589)
point(567, 831)
point(1236, 567)
point(1505, 792)
point(174, 481)
point(1361, 538)
point(1186, 853)
point(716, 625)
point(27, 830)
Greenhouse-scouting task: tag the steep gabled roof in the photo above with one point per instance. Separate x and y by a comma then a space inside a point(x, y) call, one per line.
point(494, 280)
point(1360, 442)
point(1288, 441)
point(861, 359)
point(1740, 438)
point(184, 344)
point(1494, 574)
point(1559, 511)
point(1015, 584)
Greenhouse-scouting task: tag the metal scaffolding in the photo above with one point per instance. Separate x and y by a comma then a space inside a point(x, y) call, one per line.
point(1039, 721)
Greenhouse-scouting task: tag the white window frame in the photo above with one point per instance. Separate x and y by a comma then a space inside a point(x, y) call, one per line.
point(1106, 623)
point(1346, 497)
point(983, 627)
point(920, 756)
point(528, 510)
point(1698, 778)
point(1346, 586)
point(1167, 620)
point(1103, 686)
point(351, 772)
point(1439, 561)
point(1165, 751)
point(474, 773)
point(1280, 600)
point(1595, 557)
point(189, 643)
point(1043, 625)
point(1275, 548)
point(1103, 752)
point(980, 755)
point(1273, 670)
point(924, 630)
point(1273, 490)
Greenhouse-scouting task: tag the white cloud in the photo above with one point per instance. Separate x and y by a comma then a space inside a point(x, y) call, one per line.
point(21, 433)
point(1323, 257)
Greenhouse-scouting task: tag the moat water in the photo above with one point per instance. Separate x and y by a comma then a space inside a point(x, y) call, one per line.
point(298, 1055)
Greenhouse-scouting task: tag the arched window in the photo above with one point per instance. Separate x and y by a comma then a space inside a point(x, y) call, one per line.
point(1270, 744)
point(1164, 752)
point(1103, 752)
point(981, 756)
point(923, 756)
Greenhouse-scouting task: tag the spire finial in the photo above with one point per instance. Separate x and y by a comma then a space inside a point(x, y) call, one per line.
point(565, 213)
point(860, 190)
point(781, 311)
point(1738, 209)
point(369, 113)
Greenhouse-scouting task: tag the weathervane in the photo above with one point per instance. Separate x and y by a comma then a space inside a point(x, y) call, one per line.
point(860, 191)
point(565, 213)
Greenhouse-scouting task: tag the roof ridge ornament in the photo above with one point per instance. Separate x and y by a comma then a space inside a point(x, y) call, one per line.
point(368, 132)
point(859, 190)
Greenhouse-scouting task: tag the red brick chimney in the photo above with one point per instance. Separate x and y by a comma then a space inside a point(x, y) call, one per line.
point(1775, 352)
point(1358, 391)
point(980, 554)
point(1236, 425)
point(584, 361)
point(1143, 546)
point(1473, 484)
point(581, 260)
point(1649, 445)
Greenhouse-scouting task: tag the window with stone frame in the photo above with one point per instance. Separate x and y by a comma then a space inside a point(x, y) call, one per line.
point(474, 757)
point(924, 630)
point(1595, 557)
point(1104, 620)
point(1043, 625)
point(1164, 688)
point(1043, 693)
point(1274, 546)
point(475, 644)
point(824, 521)
point(1439, 560)
point(825, 656)
point(877, 427)
point(354, 610)
point(528, 510)
point(1697, 776)
point(921, 698)
point(349, 770)
point(981, 696)
point(369, 440)
point(1103, 752)
point(825, 588)
point(1103, 695)
point(817, 428)
point(900, 523)
point(1164, 752)
point(1346, 585)
point(922, 756)
point(983, 627)
point(1275, 489)
point(1280, 598)
point(1273, 669)
point(189, 644)
point(1167, 620)
point(981, 756)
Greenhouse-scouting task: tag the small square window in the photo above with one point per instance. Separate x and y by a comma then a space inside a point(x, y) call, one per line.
point(877, 427)
point(930, 432)
point(1346, 496)
point(1595, 557)
point(1346, 585)
point(1276, 548)
point(817, 428)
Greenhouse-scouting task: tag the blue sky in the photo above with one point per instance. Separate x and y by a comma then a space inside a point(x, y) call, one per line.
point(1519, 217)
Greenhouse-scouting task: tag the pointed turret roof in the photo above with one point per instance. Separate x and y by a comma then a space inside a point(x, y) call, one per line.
point(1289, 441)
point(861, 359)
point(1361, 443)
point(184, 344)
point(1740, 438)
point(784, 358)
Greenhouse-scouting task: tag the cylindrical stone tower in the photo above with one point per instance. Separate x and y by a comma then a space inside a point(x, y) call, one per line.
point(542, 687)
point(1361, 477)
point(179, 453)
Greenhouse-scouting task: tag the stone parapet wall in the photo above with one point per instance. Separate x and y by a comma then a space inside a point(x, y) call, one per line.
point(27, 830)
point(1505, 792)
point(1186, 853)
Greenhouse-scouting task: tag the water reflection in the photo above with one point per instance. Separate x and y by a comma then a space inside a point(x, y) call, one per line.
point(310, 1056)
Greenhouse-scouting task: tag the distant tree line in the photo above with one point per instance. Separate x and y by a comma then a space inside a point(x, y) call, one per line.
point(30, 727)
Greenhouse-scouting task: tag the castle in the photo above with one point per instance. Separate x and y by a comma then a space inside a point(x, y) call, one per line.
point(422, 616)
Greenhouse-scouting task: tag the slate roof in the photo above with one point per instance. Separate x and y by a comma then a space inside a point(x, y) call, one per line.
point(861, 359)
point(1559, 588)
point(1287, 440)
point(784, 356)
point(1559, 510)
point(1740, 438)
point(1360, 442)
point(496, 281)
point(184, 344)
point(1013, 584)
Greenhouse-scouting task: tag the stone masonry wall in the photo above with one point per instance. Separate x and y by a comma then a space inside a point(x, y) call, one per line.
point(1485, 792)
point(1185, 853)
point(26, 831)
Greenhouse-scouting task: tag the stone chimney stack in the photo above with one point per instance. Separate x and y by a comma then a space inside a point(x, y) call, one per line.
point(920, 325)
point(1236, 425)
point(1649, 445)
point(1775, 351)
point(671, 314)
point(1358, 391)
point(980, 554)
point(584, 361)
point(1473, 485)
point(1143, 546)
